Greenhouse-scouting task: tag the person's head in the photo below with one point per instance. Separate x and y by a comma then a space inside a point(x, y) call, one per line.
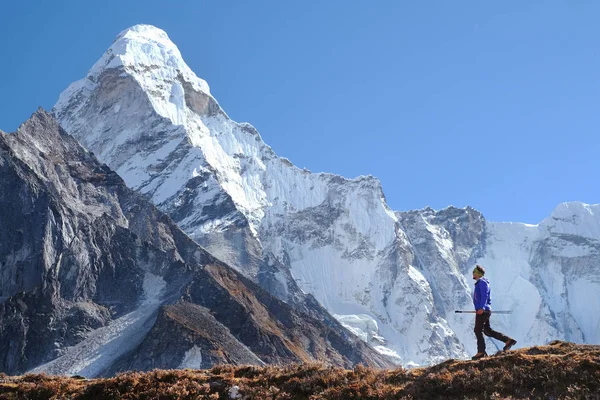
point(478, 272)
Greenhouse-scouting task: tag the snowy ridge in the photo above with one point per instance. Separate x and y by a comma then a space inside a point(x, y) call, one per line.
point(555, 276)
point(547, 274)
point(574, 218)
point(146, 114)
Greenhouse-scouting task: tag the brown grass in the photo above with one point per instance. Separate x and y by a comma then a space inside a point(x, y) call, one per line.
point(559, 371)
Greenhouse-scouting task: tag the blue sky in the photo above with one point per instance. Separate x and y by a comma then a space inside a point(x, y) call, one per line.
point(489, 104)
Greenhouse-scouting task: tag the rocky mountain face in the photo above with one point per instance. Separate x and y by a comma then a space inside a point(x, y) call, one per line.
point(94, 279)
point(143, 111)
point(393, 278)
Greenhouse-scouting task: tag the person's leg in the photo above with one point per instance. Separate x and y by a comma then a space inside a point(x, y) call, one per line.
point(479, 326)
point(487, 329)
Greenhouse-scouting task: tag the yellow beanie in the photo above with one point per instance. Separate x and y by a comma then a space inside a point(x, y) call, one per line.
point(478, 271)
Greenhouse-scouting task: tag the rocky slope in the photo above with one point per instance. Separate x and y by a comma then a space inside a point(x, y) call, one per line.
point(94, 278)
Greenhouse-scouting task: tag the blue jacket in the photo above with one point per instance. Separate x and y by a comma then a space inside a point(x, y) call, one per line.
point(482, 295)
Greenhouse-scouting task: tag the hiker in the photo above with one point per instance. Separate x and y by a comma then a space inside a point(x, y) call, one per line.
point(482, 300)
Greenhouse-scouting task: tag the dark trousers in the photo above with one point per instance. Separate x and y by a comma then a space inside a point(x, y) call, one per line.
point(482, 325)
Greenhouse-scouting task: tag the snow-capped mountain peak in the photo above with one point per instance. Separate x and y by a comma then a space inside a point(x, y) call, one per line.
point(139, 111)
point(574, 218)
point(147, 54)
point(146, 114)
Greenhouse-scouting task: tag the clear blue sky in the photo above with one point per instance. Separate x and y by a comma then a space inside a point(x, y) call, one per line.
point(490, 104)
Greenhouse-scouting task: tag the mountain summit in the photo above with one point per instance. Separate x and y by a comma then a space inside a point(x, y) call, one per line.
point(393, 278)
point(290, 230)
point(149, 53)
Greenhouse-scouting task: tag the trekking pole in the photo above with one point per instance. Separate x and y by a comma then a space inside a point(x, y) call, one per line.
point(474, 312)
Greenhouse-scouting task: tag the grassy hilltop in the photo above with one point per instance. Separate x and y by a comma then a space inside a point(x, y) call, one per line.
point(559, 371)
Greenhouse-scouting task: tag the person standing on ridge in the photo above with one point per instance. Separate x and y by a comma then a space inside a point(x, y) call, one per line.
point(482, 300)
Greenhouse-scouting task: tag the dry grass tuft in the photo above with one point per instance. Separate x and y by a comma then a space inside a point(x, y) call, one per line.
point(559, 371)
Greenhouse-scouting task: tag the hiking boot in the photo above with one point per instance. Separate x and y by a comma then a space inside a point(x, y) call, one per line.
point(479, 356)
point(509, 343)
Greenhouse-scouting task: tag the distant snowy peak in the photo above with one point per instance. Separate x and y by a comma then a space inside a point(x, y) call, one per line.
point(148, 46)
point(568, 218)
point(574, 218)
point(146, 114)
point(152, 59)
